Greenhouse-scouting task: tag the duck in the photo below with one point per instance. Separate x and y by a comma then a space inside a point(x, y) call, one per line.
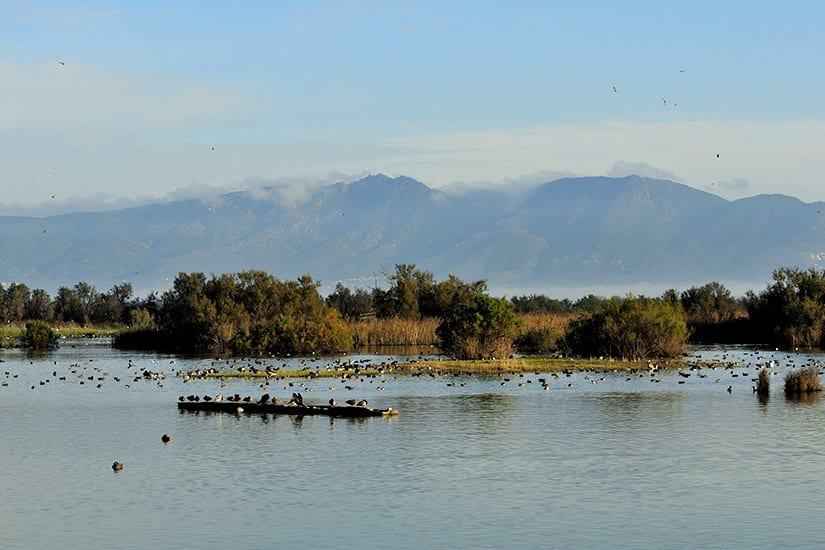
point(166, 438)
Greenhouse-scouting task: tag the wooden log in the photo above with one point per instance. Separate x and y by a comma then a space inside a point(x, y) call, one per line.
point(308, 410)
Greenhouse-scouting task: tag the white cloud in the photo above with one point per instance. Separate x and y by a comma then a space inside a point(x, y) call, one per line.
point(58, 101)
point(783, 156)
point(622, 169)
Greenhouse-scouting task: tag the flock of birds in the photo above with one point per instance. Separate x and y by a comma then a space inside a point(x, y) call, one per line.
point(729, 370)
point(359, 375)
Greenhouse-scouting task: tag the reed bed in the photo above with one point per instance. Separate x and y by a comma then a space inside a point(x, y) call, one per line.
point(802, 381)
point(394, 332)
point(541, 332)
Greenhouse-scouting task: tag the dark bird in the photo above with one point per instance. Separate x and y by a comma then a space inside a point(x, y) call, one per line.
point(332, 402)
point(166, 438)
point(351, 402)
point(362, 403)
point(117, 466)
point(615, 91)
point(730, 389)
point(264, 398)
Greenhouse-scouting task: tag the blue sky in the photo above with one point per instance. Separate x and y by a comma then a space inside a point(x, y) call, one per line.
point(112, 102)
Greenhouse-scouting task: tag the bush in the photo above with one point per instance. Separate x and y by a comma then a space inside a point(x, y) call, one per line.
point(39, 336)
point(802, 381)
point(478, 326)
point(630, 328)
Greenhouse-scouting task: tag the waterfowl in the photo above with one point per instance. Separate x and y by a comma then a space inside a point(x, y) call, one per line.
point(117, 466)
point(166, 438)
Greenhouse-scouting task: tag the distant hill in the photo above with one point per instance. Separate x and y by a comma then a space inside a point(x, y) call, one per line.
point(575, 232)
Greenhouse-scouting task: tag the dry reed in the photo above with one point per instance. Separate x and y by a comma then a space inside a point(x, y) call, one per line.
point(394, 332)
point(802, 381)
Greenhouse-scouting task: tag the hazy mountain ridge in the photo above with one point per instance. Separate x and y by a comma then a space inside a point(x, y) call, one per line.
point(569, 232)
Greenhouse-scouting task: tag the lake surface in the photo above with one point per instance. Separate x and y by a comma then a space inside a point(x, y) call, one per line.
point(600, 460)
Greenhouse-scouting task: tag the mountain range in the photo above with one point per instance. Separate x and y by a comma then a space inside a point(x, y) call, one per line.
point(583, 233)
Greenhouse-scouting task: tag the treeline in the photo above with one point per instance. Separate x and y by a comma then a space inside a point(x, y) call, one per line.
point(82, 304)
point(253, 311)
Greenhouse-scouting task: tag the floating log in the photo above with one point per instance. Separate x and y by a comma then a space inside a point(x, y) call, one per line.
point(271, 408)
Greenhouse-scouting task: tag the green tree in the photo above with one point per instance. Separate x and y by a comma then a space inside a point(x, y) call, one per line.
point(67, 307)
point(411, 294)
point(349, 304)
point(88, 298)
point(710, 303)
point(791, 310)
point(40, 306)
point(630, 328)
point(15, 298)
point(477, 326)
point(39, 336)
point(540, 304)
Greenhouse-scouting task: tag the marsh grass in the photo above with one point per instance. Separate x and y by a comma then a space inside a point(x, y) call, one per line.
point(394, 332)
point(12, 334)
point(802, 381)
point(541, 332)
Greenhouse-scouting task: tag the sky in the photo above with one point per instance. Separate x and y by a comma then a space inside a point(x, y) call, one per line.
point(112, 103)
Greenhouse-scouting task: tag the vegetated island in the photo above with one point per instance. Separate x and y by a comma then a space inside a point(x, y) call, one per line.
point(254, 314)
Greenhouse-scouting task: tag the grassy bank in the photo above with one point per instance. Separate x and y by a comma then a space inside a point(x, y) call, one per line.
point(11, 335)
point(496, 366)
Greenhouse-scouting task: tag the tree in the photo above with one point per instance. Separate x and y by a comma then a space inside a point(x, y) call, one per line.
point(39, 306)
point(791, 310)
point(477, 326)
point(411, 294)
point(67, 307)
point(88, 298)
point(540, 304)
point(14, 302)
point(710, 303)
point(349, 304)
point(630, 328)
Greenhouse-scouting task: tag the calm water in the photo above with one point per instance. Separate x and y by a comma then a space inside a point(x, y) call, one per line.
point(597, 461)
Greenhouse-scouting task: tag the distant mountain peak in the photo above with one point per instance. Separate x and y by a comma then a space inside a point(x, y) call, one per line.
point(570, 231)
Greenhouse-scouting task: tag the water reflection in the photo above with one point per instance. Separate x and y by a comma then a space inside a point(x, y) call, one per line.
point(621, 463)
point(804, 397)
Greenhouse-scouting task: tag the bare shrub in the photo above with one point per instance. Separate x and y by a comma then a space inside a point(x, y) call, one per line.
point(802, 381)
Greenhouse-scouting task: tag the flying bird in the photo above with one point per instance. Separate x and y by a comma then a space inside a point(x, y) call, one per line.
point(615, 91)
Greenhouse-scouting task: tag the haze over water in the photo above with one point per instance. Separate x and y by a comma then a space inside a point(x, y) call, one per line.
point(599, 460)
